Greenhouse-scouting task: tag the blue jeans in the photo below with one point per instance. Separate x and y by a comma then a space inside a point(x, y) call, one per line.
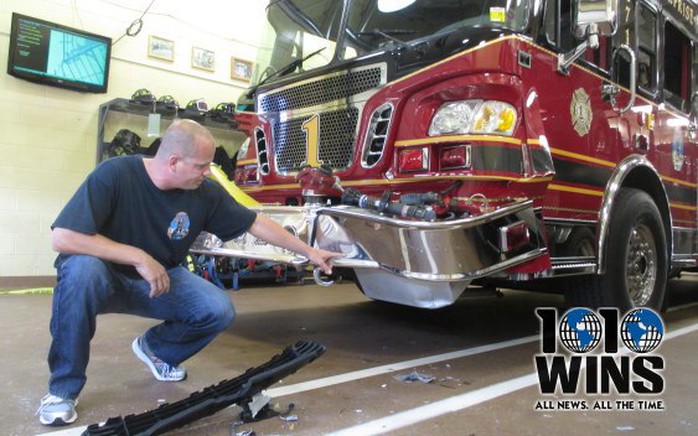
point(194, 312)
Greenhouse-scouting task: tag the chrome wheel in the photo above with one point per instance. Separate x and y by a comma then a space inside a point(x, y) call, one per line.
point(637, 258)
point(641, 265)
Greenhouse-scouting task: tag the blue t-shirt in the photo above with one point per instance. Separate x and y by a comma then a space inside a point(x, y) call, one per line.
point(120, 201)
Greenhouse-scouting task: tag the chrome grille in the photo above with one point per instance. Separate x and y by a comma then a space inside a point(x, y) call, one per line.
point(321, 91)
point(377, 135)
point(262, 156)
point(337, 137)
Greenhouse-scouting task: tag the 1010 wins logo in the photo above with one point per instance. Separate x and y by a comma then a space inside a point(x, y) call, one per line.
point(633, 370)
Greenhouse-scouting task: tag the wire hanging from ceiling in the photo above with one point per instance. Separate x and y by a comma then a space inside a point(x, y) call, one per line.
point(135, 27)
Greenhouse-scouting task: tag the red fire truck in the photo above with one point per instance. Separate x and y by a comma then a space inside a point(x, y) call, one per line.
point(444, 143)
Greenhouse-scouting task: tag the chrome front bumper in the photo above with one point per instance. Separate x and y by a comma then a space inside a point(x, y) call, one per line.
point(443, 251)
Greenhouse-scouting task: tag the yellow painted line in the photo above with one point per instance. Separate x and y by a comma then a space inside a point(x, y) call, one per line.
point(536, 179)
point(682, 206)
point(610, 164)
point(570, 209)
point(544, 179)
point(433, 178)
point(246, 162)
point(495, 200)
point(556, 187)
point(43, 291)
point(429, 179)
point(677, 181)
point(463, 178)
point(452, 138)
point(269, 187)
point(585, 158)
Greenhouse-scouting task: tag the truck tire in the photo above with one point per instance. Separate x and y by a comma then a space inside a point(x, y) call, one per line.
point(636, 259)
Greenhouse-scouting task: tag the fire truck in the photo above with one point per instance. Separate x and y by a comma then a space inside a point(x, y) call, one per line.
point(442, 144)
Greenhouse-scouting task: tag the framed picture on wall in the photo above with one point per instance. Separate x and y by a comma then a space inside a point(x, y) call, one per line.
point(203, 59)
point(241, 69)
point(161, 48)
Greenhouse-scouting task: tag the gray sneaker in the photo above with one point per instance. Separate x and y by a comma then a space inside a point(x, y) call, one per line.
point(55, 410)
point(161, 370)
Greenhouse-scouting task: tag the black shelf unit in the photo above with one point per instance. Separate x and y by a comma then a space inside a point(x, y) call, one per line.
point(125, 113)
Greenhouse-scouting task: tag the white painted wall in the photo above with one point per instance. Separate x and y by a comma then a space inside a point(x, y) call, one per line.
point(48, 135)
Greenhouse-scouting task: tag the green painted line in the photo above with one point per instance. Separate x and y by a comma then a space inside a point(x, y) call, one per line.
point(43, 291)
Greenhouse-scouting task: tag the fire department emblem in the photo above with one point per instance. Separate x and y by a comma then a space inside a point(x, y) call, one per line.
point(677, 153)
point(580, 110)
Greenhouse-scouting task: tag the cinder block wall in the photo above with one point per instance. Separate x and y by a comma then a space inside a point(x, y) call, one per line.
point(48, 135)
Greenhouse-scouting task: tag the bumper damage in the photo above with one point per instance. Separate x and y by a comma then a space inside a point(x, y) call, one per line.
point(418, 263)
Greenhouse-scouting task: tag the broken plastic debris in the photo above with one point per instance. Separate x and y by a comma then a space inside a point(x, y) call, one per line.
point(258, 402)
point(241, 433)
point(289, 418)
point(625, 428)
point(415, 376)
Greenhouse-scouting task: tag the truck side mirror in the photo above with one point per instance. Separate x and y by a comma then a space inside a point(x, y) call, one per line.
point(594, 17)
point(590, 18)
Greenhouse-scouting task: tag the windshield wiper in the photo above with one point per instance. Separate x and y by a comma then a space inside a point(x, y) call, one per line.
point(388, 34)
point(296, 63)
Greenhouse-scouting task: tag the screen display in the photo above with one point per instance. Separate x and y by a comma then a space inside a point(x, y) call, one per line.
point(57, 55)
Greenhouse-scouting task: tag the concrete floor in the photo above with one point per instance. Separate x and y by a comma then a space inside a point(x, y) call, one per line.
point(486, 385)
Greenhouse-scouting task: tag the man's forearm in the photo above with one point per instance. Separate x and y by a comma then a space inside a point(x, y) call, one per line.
point(72, 242)
point(268, 230)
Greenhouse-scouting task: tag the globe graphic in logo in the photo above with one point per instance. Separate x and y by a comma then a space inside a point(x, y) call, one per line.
point(580, 330)
point(641, 330)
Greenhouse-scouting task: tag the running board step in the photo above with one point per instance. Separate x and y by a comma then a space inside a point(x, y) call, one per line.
point(214, 398)
point(573, 265)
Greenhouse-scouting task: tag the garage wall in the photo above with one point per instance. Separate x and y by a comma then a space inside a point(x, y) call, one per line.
point(48, 139)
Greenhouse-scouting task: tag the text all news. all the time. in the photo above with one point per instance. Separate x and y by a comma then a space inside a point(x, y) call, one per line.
point(620, 405)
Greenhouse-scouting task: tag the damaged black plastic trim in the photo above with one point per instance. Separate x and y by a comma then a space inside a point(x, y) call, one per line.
point(214, 398)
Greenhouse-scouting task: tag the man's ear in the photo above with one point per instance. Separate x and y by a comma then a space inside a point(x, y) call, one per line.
point(172, 161)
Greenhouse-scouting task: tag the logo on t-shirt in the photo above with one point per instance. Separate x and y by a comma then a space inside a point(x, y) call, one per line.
point(179, 226)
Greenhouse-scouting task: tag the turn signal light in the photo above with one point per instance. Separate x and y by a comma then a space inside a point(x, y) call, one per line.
point(247, 175)
point(455, 157)
point(413, 159)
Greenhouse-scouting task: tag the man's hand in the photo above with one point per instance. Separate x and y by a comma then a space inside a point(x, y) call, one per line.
point(322, 258)
point(268, 230)
point(155, 274)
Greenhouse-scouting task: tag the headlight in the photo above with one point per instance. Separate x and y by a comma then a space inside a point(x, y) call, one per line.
point(474, 116)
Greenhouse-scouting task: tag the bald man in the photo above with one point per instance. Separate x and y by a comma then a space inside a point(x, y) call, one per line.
point(121, 241)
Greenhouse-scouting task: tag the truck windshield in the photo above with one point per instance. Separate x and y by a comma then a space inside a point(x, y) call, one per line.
point(378, 24)
point(301, 35)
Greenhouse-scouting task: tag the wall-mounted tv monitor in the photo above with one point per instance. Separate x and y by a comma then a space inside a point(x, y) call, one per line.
point(56, 55)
